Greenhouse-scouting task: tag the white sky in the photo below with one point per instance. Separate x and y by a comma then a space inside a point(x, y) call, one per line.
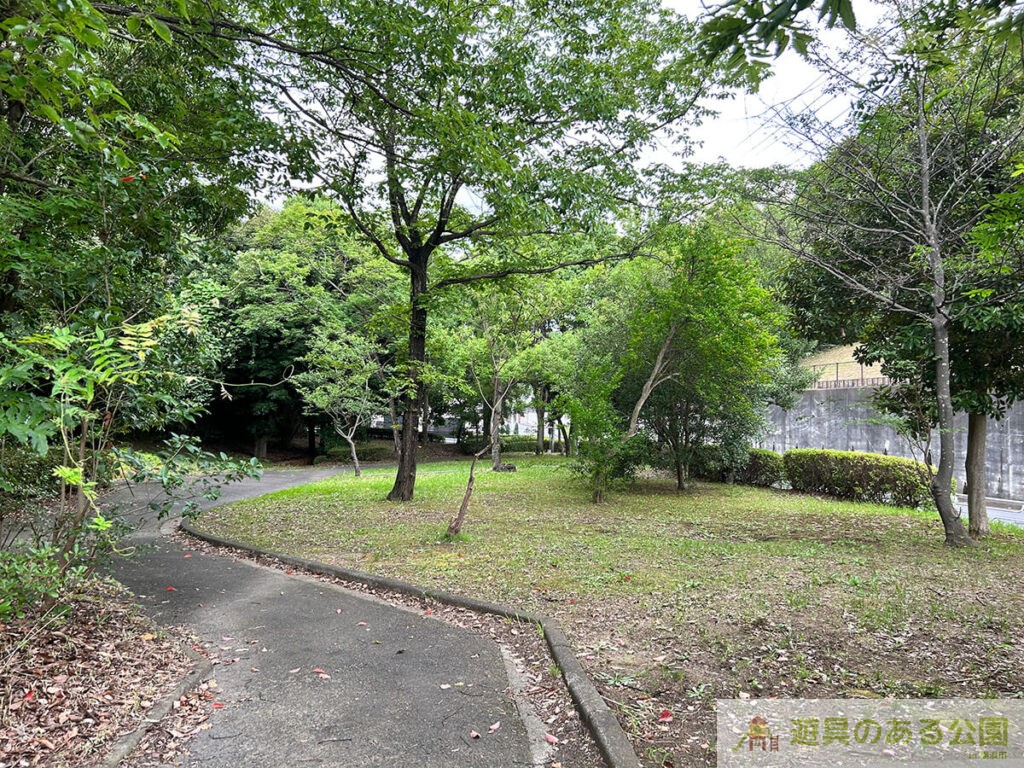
point(744, 132)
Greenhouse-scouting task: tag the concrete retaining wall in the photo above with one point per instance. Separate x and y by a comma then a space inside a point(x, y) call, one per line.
point(842, 419)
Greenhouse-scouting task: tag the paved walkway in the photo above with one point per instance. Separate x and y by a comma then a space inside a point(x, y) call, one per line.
point(326, 676)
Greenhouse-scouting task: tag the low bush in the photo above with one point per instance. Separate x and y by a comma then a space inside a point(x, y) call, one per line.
point(368, 452)
point(763, 468)
point(858, 476)
point(34, 579)
point(509, 443)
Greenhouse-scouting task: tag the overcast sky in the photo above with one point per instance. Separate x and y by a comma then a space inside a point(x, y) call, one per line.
point(746, 133)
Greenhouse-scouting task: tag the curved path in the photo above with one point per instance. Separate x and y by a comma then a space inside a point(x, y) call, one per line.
point(326, 676)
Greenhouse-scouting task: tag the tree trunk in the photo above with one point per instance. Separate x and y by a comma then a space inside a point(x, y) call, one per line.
point(425, 419)
point(487, 413)
point(259, 449)
point(405, 479)
point(355, 458)
point(681, 473)
point(455, 526)
point(496, 428)
point(977, 481)
point(542, 398)
point(942, 478)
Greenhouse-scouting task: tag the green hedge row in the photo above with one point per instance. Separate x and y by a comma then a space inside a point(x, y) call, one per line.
point(764, 468)
point(373, 451)
point(510, 443)
point(858, 476)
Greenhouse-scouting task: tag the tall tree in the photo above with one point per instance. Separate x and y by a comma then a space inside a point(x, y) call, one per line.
point(889, 210)
point(441, 123)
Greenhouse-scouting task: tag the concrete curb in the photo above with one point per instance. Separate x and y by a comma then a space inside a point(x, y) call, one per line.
point(604, 727)
point(125, 745)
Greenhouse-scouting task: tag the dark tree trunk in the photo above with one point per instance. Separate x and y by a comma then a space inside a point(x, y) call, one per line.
point(405, 479)
point(487, 415)
point(395, 429)
point(259, 449)
point(682, 473)
point(977, 481)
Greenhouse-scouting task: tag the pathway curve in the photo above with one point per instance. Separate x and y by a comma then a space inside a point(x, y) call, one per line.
point(326, 676)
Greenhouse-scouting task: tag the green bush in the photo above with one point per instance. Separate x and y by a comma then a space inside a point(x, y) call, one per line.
point(764, 468)
point(858, 476)
point(367, 452)
point(34, 579)
point(509, 444)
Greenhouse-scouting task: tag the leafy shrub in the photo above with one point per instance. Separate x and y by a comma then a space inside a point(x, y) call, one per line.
point(374, 451)
point(858, 476)
point(764, 468)
point(509, 443)
point(34, 578)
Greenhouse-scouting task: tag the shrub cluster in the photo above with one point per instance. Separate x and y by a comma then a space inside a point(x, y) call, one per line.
point(763, 468)
point(368, 452)
point(858, 476)
point(509, 443)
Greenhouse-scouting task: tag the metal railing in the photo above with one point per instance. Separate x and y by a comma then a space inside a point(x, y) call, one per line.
point(846, 374)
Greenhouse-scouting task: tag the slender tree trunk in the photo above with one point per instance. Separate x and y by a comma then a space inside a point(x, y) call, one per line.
point(680, 474)
point(455, 526)
point(488, 414)
point(977, 480)
point(405, 479)
point(496, 427)
point(352, 450)
point(542, 399)
point(942, 478)
point(260, 447)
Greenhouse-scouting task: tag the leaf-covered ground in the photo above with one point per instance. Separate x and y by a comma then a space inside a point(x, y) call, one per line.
point(673, 600)
point(72, 682)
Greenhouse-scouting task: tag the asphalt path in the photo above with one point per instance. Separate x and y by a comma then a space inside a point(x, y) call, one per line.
point(326, 676)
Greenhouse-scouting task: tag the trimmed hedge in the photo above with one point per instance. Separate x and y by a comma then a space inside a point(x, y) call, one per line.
point(764, 468)
point(509, 443)
point(368, 452)
point(858, 476)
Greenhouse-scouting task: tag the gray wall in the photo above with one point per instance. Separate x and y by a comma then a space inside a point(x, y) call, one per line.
point(841, 419)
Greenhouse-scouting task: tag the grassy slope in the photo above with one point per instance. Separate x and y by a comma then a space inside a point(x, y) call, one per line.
point(674, 599)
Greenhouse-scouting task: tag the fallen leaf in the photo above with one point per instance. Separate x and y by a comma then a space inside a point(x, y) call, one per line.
point(293, 671)
point(318, 671)
point(551, 739)
point(474, 735)
point(494, 726)
point(361, 624)
point(147, 636)
point(187, 556)
point(445, 686)
point(324, 676)
point(171, 589)
point(428, 611)
point(28, 695)
point(218, 705)
point(339, 610)
point(226, 639)
point(665, 716)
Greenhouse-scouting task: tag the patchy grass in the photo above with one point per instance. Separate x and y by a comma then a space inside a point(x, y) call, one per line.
point(674, 599)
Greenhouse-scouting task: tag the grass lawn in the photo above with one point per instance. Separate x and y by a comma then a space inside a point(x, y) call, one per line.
point(674, 599)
